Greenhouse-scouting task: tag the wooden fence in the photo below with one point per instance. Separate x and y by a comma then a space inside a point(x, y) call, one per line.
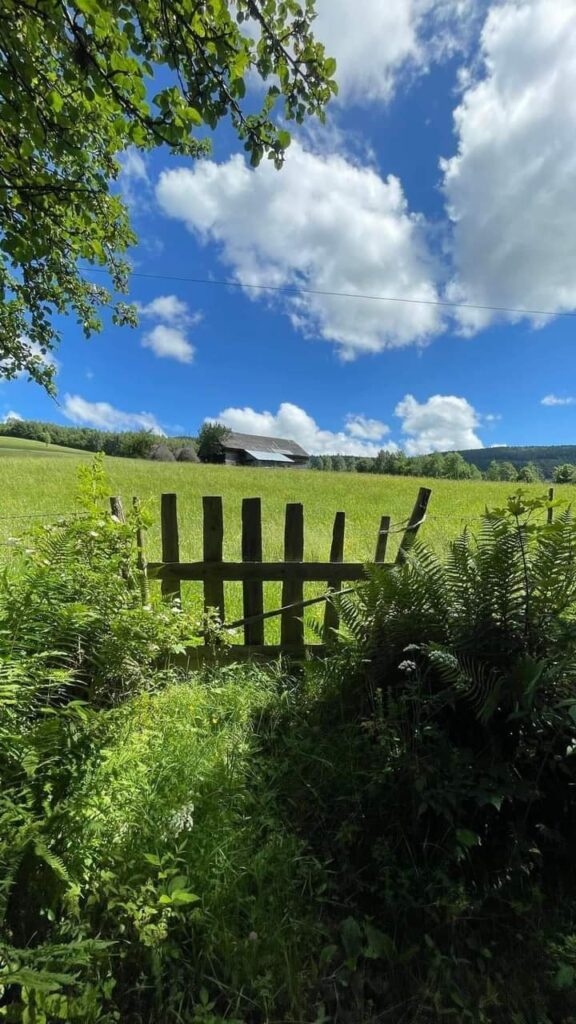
point(293, 571)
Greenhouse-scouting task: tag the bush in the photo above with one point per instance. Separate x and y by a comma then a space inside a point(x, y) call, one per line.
point(464, 793)
point(162, 453)
point(187, 455)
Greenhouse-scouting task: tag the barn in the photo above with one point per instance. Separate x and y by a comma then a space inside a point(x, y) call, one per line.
point(264, 452)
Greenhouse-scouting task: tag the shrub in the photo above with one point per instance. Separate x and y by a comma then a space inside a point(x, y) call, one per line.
point(162, 453)
point(465, 670)
point(187, 455)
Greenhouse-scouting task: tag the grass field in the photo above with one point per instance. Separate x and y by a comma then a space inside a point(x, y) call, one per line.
point(21, 446)
point(47, 485)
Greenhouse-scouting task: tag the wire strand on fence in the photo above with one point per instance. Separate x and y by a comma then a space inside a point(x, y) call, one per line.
point(43, 515)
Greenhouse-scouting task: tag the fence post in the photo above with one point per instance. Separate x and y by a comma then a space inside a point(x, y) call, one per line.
point(170, 544)
point(117, 509)
point(141, 553)
point(213, 528)
point(253, 592)
point(382, 540)
point(414, 523)
point(550, 514)
point(331, 618)
point(292, 627)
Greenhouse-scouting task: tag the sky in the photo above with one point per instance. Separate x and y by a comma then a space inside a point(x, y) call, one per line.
point(443, 182)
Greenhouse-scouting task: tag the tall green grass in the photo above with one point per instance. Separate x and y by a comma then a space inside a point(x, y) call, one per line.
point(48, 486)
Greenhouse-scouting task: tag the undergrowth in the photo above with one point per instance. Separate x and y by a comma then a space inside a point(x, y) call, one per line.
point(387, 836)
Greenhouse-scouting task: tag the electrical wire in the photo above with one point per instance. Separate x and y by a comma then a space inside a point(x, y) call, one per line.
point(297, 290)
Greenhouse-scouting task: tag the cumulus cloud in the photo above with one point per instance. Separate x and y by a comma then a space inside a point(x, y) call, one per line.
point(296, 424)
point(169, 343)
point(168, 339)
point(375, 42)
point(104, 416)
point(170, 309)
point(442, 423)
point(360, 426)
point(556, 400)
point(510, 187)
point(11, 416)
point(323, 224)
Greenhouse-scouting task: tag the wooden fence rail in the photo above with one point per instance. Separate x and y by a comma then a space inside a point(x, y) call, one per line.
point(293, 572)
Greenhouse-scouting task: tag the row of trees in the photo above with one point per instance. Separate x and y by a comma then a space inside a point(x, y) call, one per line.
point(144, 445)
point(126, 444)
point(450, 466)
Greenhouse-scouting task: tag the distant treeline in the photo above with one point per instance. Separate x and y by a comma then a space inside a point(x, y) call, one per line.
point(547, 459)
point(129, 444)
point(556, 463)
point(450, 466)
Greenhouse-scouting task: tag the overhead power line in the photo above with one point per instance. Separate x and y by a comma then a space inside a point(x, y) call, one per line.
point(297, 290)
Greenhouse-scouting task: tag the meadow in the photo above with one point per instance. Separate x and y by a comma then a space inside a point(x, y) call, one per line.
point(35, 488)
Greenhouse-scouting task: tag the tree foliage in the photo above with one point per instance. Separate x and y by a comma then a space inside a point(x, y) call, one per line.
point(565, 474)
point(129, 444)
point(83, 80)
point(210, 437)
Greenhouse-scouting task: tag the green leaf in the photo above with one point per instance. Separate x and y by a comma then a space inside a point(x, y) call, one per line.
point(180, 896)
point(351, 934)
point(378, 944)
point(565, 976)
point(466, 838)
point(54, 100)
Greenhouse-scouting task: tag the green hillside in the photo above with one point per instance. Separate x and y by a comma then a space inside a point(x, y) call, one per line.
point(21, 446)
point(545, 457)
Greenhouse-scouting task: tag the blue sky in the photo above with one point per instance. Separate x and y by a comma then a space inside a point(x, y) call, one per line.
point(446, 173)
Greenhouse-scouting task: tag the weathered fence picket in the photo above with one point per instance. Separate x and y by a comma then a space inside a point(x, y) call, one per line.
point(170, 545)
point(292, 625)
point(213, 531)
point(336, 555)
point(253, 591)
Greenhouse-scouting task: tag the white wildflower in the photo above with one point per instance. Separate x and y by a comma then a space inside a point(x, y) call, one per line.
point(182, 820)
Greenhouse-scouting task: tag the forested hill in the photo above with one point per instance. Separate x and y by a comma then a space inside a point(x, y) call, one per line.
point(545, 457)
point(129, 444)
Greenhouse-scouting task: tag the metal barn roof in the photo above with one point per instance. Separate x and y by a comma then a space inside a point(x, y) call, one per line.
point(268, 456)
point(257, 443)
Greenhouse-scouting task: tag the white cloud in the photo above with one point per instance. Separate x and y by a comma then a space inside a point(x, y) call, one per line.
point(104, 416)
point(169, 343)
point(133, 165)
point(374, 42)
point(556, 400)
point(134, 181)
point(11, 416)
point(170, 309)
point(510, 188)
point(323, 224)
point(443, 423)
point(295, 424)
point(360, 426)
point(168, 340)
